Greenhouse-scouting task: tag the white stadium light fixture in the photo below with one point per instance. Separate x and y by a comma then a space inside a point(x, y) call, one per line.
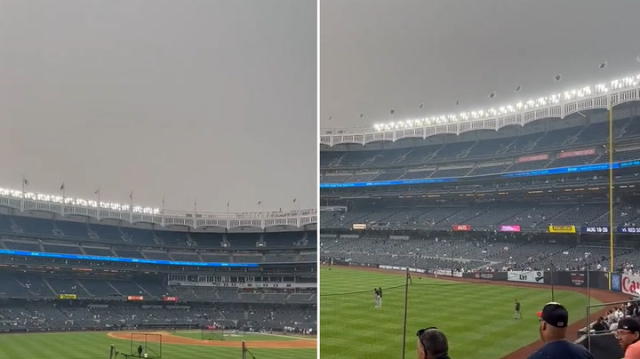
point(43, 197)
point(554, 99)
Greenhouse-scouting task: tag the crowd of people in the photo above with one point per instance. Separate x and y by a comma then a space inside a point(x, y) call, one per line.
point(432, 343)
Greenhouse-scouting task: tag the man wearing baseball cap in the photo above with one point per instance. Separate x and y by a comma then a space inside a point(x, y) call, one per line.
point(554, 320)
point(628, 335)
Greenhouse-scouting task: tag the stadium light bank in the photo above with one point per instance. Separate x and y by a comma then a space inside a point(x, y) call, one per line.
point(25, 201)
point(77, 201)
point(560, 104)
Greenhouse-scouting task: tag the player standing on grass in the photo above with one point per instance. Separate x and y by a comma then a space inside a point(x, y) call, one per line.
point(376, 297)
point(516, 313)
point(380, 297)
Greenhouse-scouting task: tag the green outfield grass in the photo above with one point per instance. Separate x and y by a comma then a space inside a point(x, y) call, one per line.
point(91, 345)
point(229, 336)
point(477, 318)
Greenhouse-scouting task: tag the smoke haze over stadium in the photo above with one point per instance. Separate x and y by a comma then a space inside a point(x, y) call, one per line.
point(380, 55)
point(212, 101)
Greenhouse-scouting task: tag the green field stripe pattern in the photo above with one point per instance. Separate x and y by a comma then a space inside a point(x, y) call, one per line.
point(96, 345)
point(477, 318)
point(232, 337)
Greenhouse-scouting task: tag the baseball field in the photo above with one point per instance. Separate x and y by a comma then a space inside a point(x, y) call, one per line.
point(478, 319)
point(176, 345)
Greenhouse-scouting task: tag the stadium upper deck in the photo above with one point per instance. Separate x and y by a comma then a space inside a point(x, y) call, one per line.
point(27, 201)
point(557, 105)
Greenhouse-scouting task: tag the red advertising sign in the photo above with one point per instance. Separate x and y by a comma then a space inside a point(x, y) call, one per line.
point(540, 157)
point(510, 228)
point(631, 284)
point(167, 298)
point(587, 152)
point(461, 227)
point(135, 298)
point(577, 279)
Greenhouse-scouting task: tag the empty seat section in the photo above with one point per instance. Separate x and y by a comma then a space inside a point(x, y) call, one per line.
point(11, 288)
point(67, 286)
point(172, 239)
point(54, 248)
point(139, 237)
point(72, 229)
point(98, 287)
point(127, 287)
point(281, 239)
point(22, 245)
point(35, 226)
point(107, 233)
point(156, 255)
point(127, 253)
point(207, 240)
point(98, 251)
point(451, 172)
point(242, 240)
point(185, 256)
point(214, 257)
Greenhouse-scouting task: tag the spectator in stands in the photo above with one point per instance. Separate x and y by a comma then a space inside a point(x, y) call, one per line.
point(628, 335)
point(432, 344)
point(554, 320)
point(600, 325)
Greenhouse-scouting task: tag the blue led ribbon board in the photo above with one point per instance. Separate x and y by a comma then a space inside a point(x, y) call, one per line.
point(124, 260)
point(543, 172)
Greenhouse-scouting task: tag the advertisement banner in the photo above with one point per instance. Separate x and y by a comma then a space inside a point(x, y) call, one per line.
point(562, 229)
point(359, 226)
point(461, 227)
point(634, 230)
point(578, 279)
point(67, 296)
point(135, 298)
point(531, 158)
point(587, 152)
point(166, 298)
point(486, 275)
point(615, 282)
point(445, 272)
point(630, 284)
point(509, 228)
point(595, 229)
point(526, 276)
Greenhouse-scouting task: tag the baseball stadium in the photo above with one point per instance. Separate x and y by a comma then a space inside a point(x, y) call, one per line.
point(96, 279)
point(471, 222)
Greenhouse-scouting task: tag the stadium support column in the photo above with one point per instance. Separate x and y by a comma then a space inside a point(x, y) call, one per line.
point(611, 225)
point(406, 301)
point(553, 297)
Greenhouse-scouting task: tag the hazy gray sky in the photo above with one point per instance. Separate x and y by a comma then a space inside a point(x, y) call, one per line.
point(378, 55)
point(212, 100)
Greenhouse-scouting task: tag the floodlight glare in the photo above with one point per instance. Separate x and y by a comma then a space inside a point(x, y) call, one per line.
point(554, 99)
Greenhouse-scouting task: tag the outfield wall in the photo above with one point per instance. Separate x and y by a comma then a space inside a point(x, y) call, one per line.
point(596, 279)
point(620, 282)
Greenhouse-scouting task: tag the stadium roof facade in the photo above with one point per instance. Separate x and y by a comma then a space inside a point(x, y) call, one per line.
point(101, 210)
point(557, 105)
